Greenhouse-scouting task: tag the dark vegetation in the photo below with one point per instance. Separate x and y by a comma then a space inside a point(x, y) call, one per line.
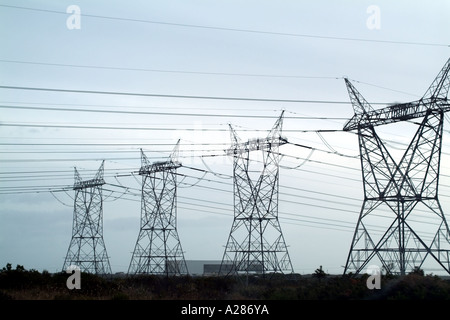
point(22, 284)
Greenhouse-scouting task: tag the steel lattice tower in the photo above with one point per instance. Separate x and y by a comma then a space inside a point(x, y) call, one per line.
point(87, 249)
point(158, 249)
point(415, 227)
point(256, 243)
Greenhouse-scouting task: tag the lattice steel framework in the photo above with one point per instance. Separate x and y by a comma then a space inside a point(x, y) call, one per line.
point(158, 248)
point(256, 244)
point(87, 248)
point(412, 226)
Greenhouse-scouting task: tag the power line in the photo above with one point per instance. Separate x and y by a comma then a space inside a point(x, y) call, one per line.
point(180, 96)
point(218, 204)
point(201, 156)
point(384, 88)
point(228, 184)
point(128, 191)
point(250, 31)
point(201, 73)
point(284, 213)
point(167, 113)
point(109, 127)
point(169, 71)
point(146, 107)
point(127, 144)
point(290, 221)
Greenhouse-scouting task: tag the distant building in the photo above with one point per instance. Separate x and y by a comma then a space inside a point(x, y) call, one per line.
point(203, 267)
point(212, 267)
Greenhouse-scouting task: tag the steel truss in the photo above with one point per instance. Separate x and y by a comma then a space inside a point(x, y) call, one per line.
point(158, 249)
point(87, 248)
point(406, 189)
point(256, 244)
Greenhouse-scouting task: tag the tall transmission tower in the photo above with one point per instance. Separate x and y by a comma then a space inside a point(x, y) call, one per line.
point(412, 228)
point(256, 244)
point(87, 248)
point(158, 249)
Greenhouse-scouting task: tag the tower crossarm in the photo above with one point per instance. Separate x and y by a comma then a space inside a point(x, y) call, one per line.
point(396, 113)
point(434, 100)
point(88, 184)
point(256, 144)
point(159, 166)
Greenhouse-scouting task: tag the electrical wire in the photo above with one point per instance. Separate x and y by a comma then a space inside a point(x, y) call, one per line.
point(229, 29)
point(173, 96)
point(170, 71)
point(171, 114)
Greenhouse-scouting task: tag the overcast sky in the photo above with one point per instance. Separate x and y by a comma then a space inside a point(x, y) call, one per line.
point(255, 58)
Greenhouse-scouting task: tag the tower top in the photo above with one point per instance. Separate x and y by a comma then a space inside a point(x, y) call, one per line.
point(434, 99)
point(273, 139)
point(96, 181)
point(172, 163)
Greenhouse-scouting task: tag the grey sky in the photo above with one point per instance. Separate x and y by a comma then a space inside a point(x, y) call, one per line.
point(284, 50)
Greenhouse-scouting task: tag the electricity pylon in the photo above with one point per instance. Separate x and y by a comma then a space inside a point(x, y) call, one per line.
point(87, 249)
point(158, 249)
point(412, 228)
point(256, 244)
